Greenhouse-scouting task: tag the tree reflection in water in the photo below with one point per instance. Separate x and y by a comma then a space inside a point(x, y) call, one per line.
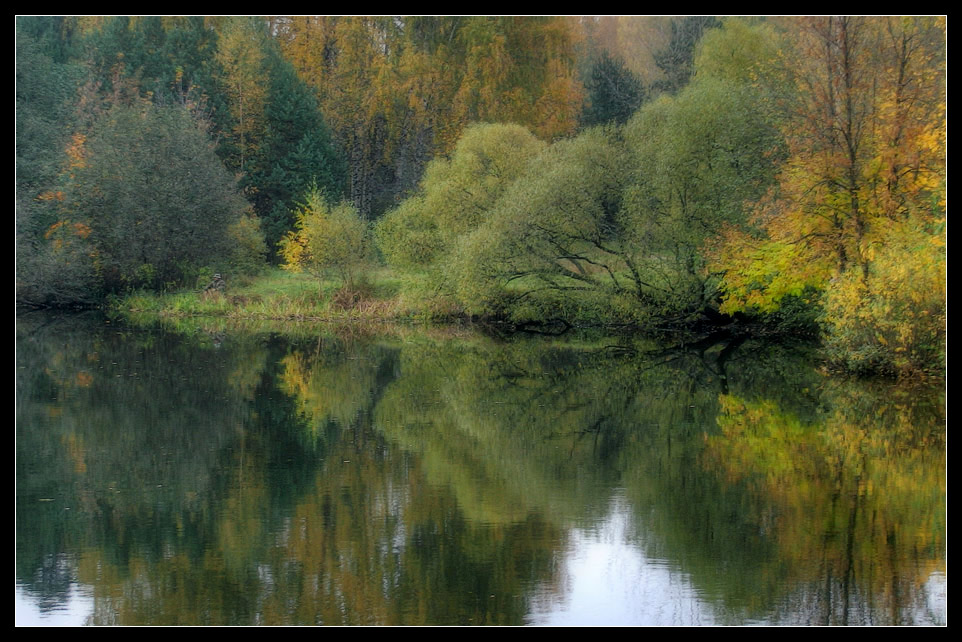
point(415, 477)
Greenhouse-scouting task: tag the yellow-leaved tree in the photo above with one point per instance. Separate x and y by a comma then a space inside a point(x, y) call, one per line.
point(326, 240)
point(859, 210)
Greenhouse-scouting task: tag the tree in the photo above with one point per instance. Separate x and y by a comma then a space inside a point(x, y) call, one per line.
point(552, 238)
point(44, 92)
point(676, 60)
point(614, 92)
point(296, 151)
point(456, 194)
point(700, 157)
point(866, 139)
point(240, 53)
point(327, 239)
point(398, 91)
point(156, 199)
point(53, 267)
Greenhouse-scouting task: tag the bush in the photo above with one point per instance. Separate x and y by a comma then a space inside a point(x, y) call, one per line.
point(894, 318)
point(249, 248)
point(327, 240)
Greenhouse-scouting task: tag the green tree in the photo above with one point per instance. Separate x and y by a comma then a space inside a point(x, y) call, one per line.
point(456, 194)
point(676, 59)
point(700, 157)
point(155, 196)
point(57, 36)
point(169, 59)
point(48, 271)
point(44, 93)
point(614, 92)
point(551, 239)
point(616, 224)
point(297, 150)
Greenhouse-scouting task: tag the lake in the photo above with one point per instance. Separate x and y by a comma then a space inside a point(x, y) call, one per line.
point(212, 474)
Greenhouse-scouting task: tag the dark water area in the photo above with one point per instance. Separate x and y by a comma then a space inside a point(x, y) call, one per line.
point(216, 475)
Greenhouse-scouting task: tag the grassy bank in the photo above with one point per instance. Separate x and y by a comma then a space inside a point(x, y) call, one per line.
point(281, 295)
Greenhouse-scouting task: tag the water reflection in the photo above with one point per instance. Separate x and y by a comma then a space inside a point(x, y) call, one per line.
point(609, 580)
point(72, 608)
point(216, 475)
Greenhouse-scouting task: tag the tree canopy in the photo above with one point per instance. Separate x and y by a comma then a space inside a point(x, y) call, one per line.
point(653, 170)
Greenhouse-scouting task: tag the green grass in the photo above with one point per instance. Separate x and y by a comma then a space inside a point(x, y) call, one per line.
point(281, 295)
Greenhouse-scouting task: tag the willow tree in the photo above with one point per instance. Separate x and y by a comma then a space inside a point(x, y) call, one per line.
point(456, 195)
point(551, 239)
point(700, 157)
point(616, 224)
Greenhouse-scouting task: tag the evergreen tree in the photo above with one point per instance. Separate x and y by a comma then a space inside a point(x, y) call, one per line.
point(614, 92)
point(676, 60)
point(297, 152)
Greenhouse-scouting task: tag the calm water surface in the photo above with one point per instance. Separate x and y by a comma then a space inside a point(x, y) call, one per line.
point(334, 475)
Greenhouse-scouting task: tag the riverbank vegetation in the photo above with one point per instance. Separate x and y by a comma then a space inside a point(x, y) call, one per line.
point(788, 172)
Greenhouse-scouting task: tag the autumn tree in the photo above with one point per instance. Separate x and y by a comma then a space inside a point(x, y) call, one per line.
point(326, 240)
point(866, 166)
point(398, 91)
point(240, 53)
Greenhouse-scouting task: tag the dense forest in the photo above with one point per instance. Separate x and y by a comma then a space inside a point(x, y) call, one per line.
point(648, 171)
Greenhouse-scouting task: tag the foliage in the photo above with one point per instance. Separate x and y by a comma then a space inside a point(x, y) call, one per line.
point(613, 92)
point(247, 248)
point(58, 269)
point(154, 195)
point(264, 118)
point(893, 320)
point(618, 223)
point(676, 59)
point(785, 171)
point(866, 167)
point(327, 239)
point(295, 149)
point(240, 53)
point(165, 59)
point(44, 90)
point(553, 230)
point(576, 232)
point(701, 156)
point(398, 91)
point(744, 51)
point(456, 194)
